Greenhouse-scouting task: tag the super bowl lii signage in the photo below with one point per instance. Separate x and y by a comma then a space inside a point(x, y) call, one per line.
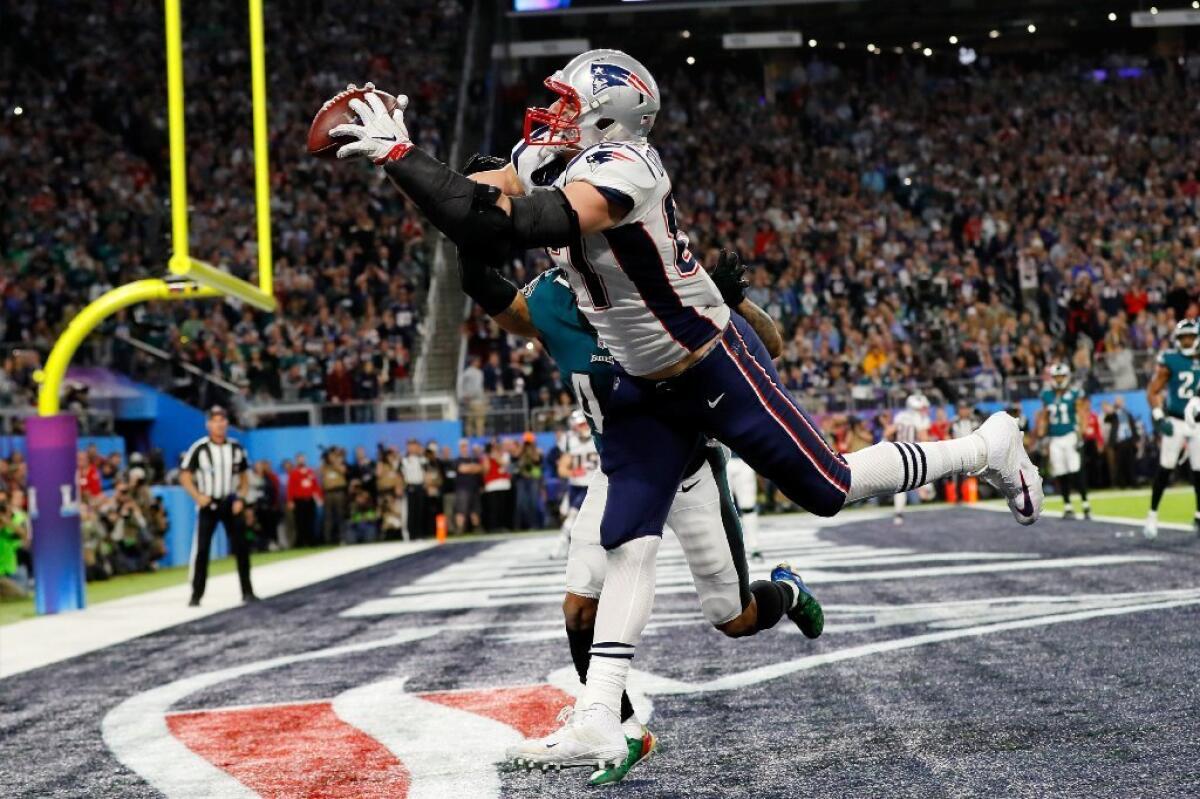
point(58, 570)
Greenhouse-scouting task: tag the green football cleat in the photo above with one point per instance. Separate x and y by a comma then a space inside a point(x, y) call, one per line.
point(639, 750)
point(807, 613)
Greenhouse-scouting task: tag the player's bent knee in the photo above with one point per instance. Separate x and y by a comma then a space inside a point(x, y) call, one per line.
point(579, 612)
point(742, 626)
point(721, 608)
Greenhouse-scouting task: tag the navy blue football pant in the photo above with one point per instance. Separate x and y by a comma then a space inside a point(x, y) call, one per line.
point(733, 395)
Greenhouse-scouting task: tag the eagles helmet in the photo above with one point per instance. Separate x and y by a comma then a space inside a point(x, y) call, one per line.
point(917, 402)
point(603, 95)
point(1060, 375)
point(1187, 329)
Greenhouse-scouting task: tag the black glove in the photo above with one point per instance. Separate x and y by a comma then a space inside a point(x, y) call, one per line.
point(730, 276)
point(483, 163)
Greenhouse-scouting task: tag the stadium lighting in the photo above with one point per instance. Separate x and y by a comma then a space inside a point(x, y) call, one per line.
point(908, 181)
point(1031, 28)
point(916, 45)
point(1112, 16)
point(1153, 9)
point(841, 45)
point(691, 60)
point(18, 111)
point(1195, 3)
point(812, 42)
point(870, 48)
point(993, 34)
point(898, 50)
point(686, 34)
point(928, 51)
point(953, 40)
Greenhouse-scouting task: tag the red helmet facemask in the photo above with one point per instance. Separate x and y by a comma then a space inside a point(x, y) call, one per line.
point(556, 124)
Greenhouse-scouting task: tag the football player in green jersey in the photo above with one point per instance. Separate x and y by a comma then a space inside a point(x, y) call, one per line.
point(1172, 388)
point(1064, 407)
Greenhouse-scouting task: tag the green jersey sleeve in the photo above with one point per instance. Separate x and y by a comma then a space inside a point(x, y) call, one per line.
point(585, 364)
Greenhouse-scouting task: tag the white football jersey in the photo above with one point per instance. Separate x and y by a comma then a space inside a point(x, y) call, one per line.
point(584, 459)
point(649, 299)
point(910, 425)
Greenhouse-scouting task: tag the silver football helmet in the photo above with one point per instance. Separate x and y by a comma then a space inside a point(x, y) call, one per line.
point(1060, 375)
point(917, 402)
point(1187, 337)
point(603, 95)
point(579, 423)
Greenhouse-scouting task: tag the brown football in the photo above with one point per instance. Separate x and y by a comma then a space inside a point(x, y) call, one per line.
point(336, 111)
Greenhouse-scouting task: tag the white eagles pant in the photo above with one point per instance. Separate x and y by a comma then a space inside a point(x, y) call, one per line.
point(1064, 455)
point(743, 483)
point(695, 518)
point(1183, 438)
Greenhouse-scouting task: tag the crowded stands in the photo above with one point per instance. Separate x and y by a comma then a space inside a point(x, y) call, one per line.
point(82, 204)
point(956, 231)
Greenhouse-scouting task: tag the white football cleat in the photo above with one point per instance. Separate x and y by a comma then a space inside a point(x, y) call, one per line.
point(1009, 469)
point(590, 737)
point(1150, 530)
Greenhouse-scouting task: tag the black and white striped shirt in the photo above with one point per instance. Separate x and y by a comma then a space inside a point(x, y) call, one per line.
point(216, 467)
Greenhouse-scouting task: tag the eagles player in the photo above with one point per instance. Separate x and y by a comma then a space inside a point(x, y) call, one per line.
point(579, 461)
point(702, 516)
point(1173, 386)
point(685, 365)
point(1064, 407)
point(744, 483)
point(909, 426)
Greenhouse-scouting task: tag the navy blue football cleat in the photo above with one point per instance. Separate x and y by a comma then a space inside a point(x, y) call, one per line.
point(806, 613)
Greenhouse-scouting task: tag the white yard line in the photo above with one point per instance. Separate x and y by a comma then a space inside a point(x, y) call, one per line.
point(1128, 521)
point(39, 642)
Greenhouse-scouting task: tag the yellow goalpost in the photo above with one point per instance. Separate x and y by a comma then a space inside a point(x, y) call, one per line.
point(196, 279)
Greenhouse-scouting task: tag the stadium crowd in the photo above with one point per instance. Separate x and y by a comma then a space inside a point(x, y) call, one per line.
point(911, 228)
point(83, 187)
point(394, 493)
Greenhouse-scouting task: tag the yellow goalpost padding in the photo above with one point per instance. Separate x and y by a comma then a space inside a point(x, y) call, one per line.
point(199, 279)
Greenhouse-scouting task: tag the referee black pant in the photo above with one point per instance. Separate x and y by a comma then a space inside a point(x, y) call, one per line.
point(235, 530)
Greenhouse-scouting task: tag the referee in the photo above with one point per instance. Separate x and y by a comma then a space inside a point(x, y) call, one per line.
point(215, 474)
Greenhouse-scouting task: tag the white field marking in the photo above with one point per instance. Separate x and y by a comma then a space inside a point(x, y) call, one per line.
point(136, 732)
point(41, 641)
point(517, 571)
point(671, 574)
point(656, 685)
point(1129, 522)
point(466, 600)
point(981, 568)
point(840, 619)
point(448, 752)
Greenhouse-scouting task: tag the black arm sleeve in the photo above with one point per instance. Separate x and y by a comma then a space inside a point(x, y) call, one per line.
point(544, 219)
point(484, 284)
point(466, 211)
point(452, 202)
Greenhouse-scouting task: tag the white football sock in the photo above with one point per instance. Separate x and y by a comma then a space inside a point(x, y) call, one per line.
point(891, 467)
point(625, 604)
point(899, 501)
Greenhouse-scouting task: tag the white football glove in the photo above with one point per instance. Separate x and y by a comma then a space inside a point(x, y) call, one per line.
point(378, 136)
